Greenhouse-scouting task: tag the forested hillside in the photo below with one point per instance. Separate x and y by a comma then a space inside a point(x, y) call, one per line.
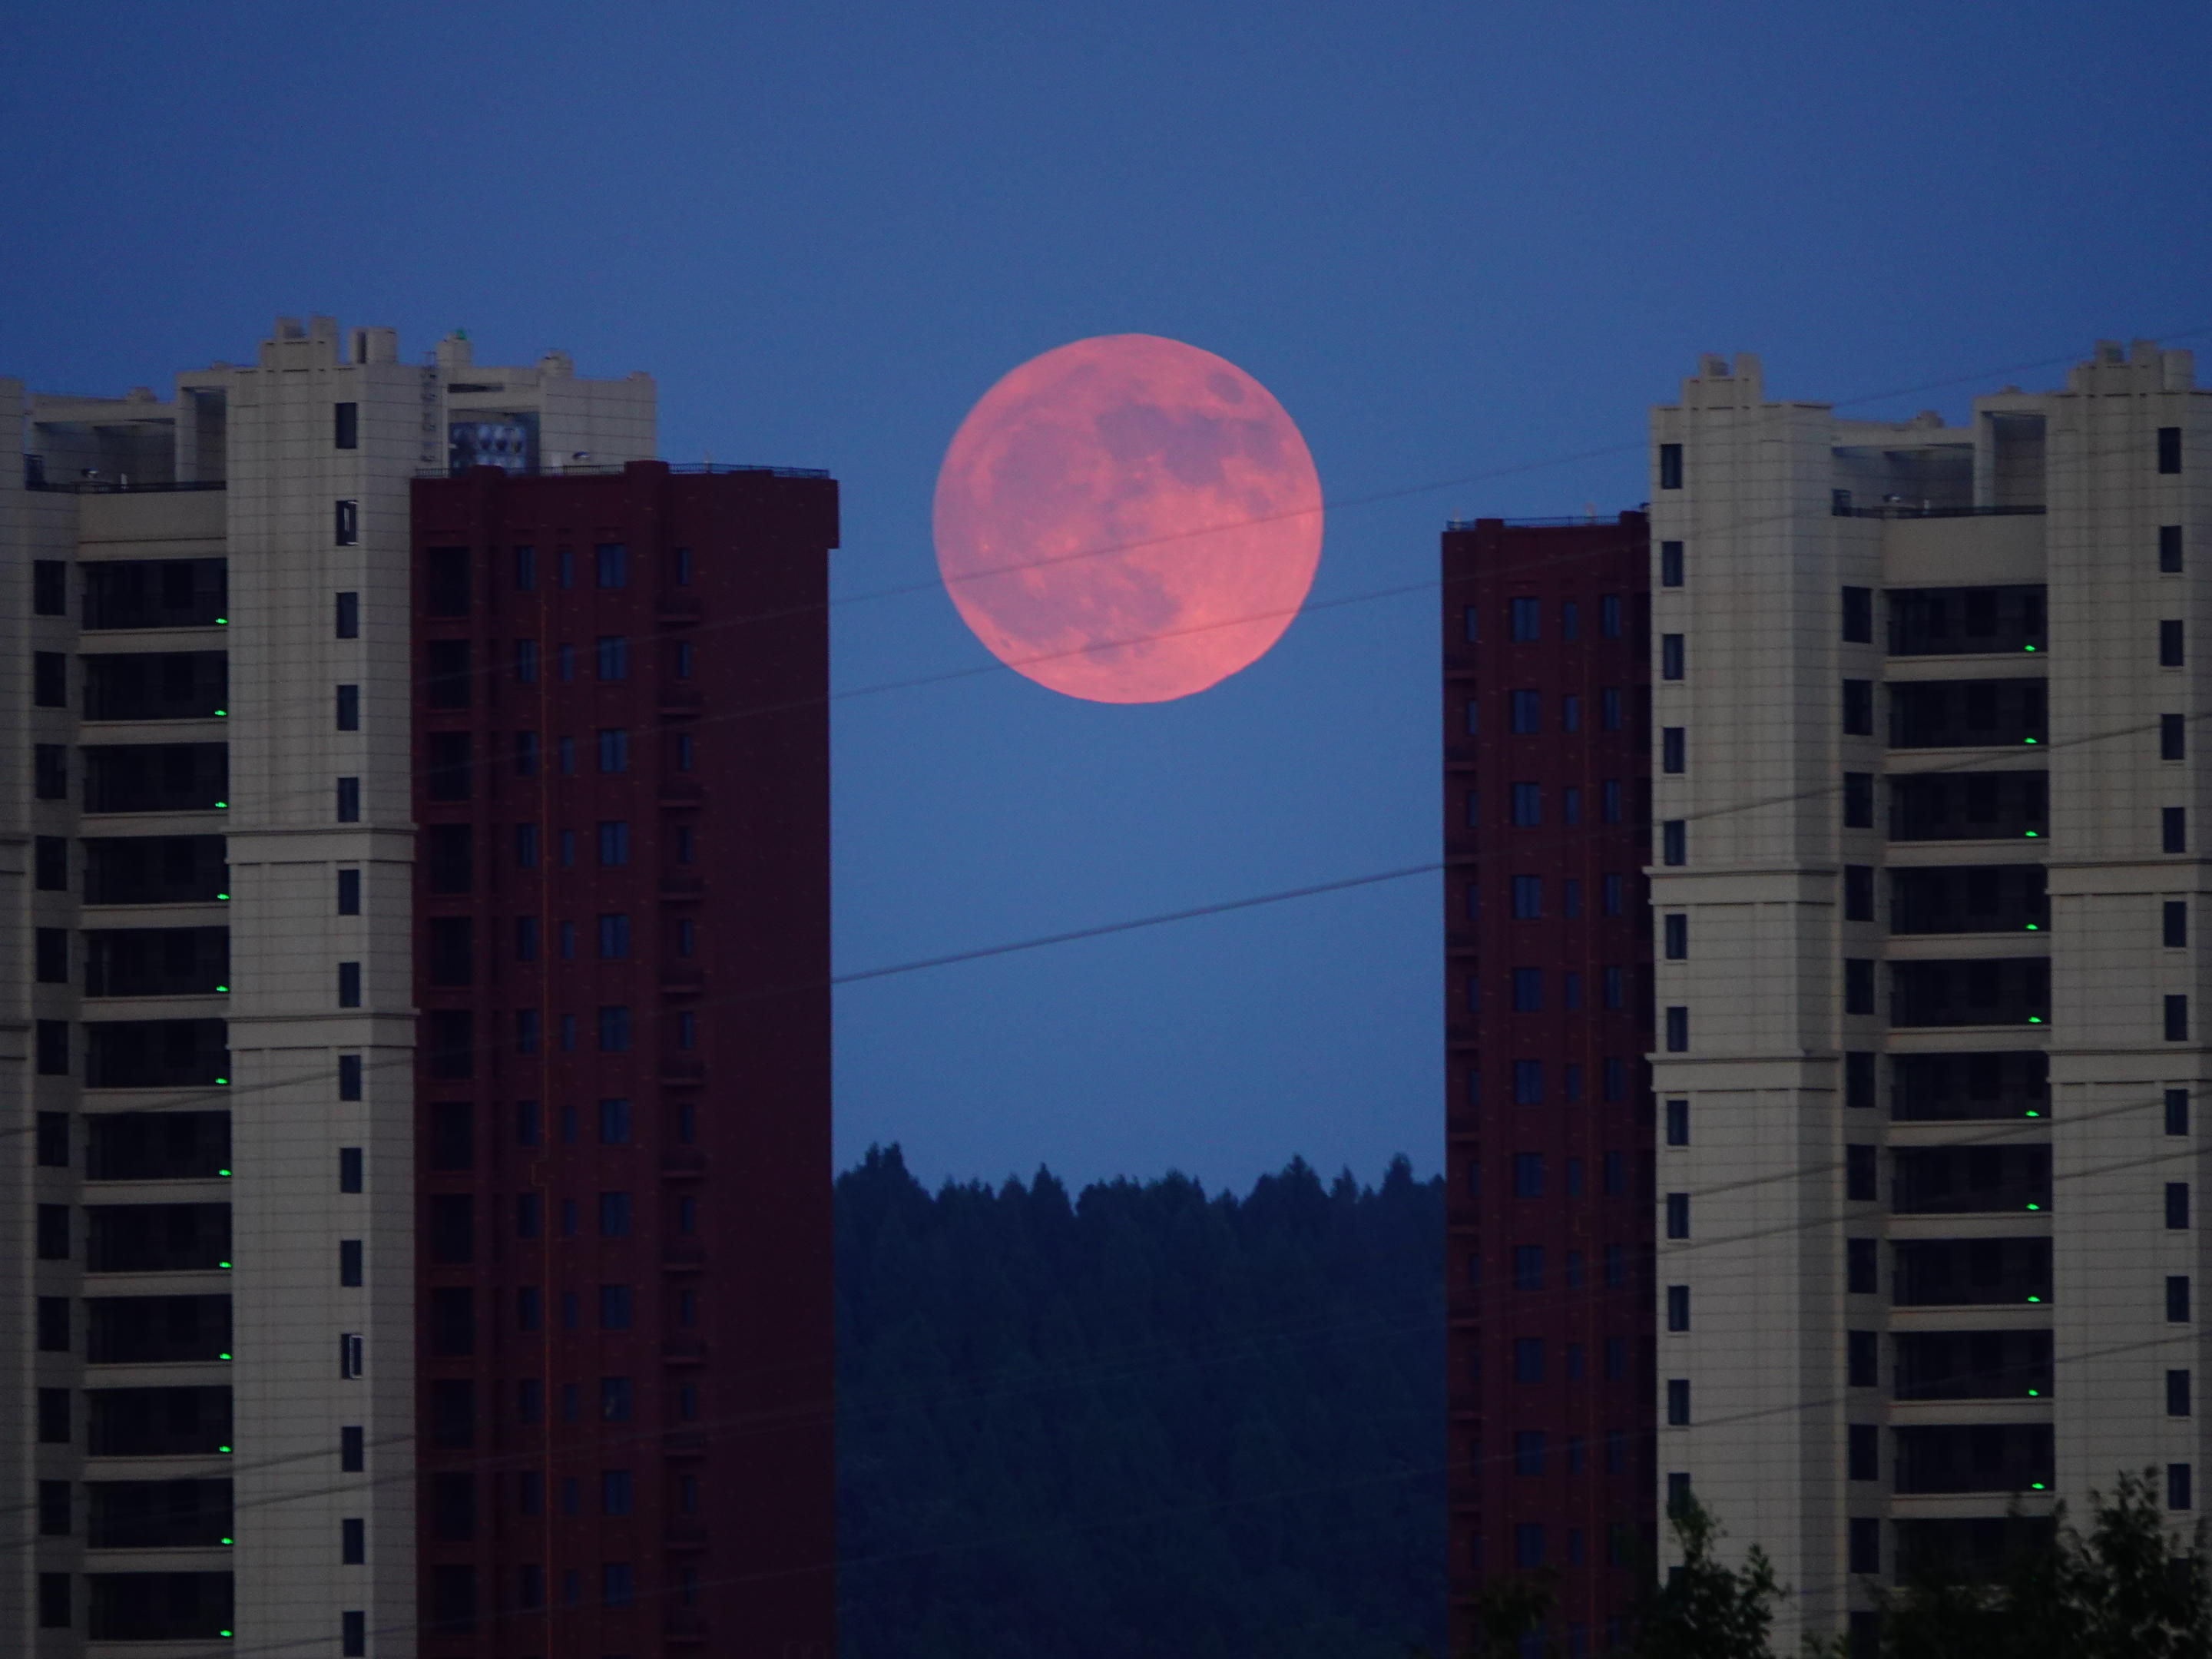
point(1145, 1421)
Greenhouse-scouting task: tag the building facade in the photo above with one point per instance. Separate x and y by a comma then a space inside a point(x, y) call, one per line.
point(1548, 1142)
point(222, 1383)
point(1931, 805)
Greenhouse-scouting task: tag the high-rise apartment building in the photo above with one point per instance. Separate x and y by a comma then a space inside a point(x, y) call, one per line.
point(420, 926)
point(1931, 805)
point(1548, 1137)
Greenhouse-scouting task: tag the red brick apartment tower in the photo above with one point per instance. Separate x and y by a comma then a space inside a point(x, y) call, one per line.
point(622, 790)
point(1548, 1021)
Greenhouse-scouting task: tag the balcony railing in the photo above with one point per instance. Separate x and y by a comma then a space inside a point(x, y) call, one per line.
point(1894, 507)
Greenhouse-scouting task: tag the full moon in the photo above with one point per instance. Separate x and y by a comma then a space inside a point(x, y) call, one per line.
point(1127, 519)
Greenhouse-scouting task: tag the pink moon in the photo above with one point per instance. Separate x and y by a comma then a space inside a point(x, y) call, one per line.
point(1127, 519)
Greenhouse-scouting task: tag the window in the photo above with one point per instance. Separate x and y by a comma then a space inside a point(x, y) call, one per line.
point(1528, 1175)
point(2177, 1299)
point(53, 1048)
point(1528, 1267)
point(2169, 449)
point(616, 1400)
point(49, 679)
point(2170, 654)
point(1674, 843)
point(50, 858)
point(1570, 712)
point(1527, 990)
point(564, 566)
point(1858, 892)
point(1670, 656)
point(2174, 919)
point(1675, 927)
point(1865, 1553)
point(685, 748)
point(1527, 898)
point(49, 587)
point(1858, 800)
point(1528, 805)
point(1863, 1452)
point(526, 569)
point(348, 985)
point(1858, 985)
point(2173, 738)
point(349, 800)
point(50, 771)
point(1570, 621)
point(1469, 624)
point(1862, 1359)
point(349, 1263)
point(2177, 1204)
point(1860, 1182)
point(2174, 829)
point(1670, 466)
point(614, 1123)
point(1524, 620)
point(2176, 1020)
point(564, 663)
point(1678, 1402)
point(687, 1029)
point(345, 523)
point(1527, 1360)
point(611, 564)
point(1608, 616)
point(349, 708)
point(1859, 616)
point(1858, 708)
point(614, 1215)
point(1670, 564)
point(1612, 982)
point(612, 653)
point(1678, 1307)
point(1678, 1122)
point(2177, 1111)
point(1678, 1030)
point(614, 842)
point(346, 426)
point(1529, 1452)
point(1608, 708)
point(1859, 1079)
point(614, 750)
point(1570, 805)
point(2176, 1393)
point(615, 1307)
point(1527, 1082)
point(614, 938)
point(1613, 1175)
point(2178, 1494)
point(1571, 899)
point(1861, 1272)
point(350, 1077)
point(1674, 749)
point(53, 1140)
point(614, 1030)
point(2169, 549)
point(685, 839)
point(1526, 711)
point(1608, 797)
point(1678, 1215)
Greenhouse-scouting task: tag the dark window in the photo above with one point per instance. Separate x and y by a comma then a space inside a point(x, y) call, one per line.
point(611, 657)
point(1527, 990)
point(2174, 918)
point(1858, 708)
point(2176, 1020)
point(2169, 449)
point(349, 708)
point(2174, 829)
point(1675, 841)
point(345, 523)
point(1528, 897)
point(2172, 737)
point(1674, 928)
point(1469, 628)
point(1608, 615)
point(1670, 564)
point(2178, 1403)
point(1527, 1082)
point(53, 1140)
point(54, 1417)
point(350, 1077)
point(450, 766)
point(1678, 1123)
point(448, 668)
point(2177, 1299)
point(1529, 1452)
point(446, 581)
point(454, 1335)
point(2169, 549)
point(49, 587)
point(1859, 616)
point(54, 1610)
point(453, 1044)
point(2177, 1111)
point(50, 772)
point(349, 800)
point(1524, 619)
point(2177, 1204)
point(1674, 747)
point(614, 1029)
point(2178, 1493)
point(614, 842)
point(1862, 1270)
point(1858, 892)
point(526, 569)
point(53, 1037)
point(1862, 1183)
point(1678, 1215)
point(1858, 985)
point(615, 1307)
point(346, 426)
point(1528, 1175)
point(1678, 1030)
point(1670, 466)
point(347, 623)
point(1529, 1359)
point(49, 679)
point(1527, 711)
point(353, 1541)
point(53, 1324)
point(616, 1400)
point(349, 1263)
point(1678, 1402)
point(350, 1169)
point(614, 1215)
point(1678, 1307)
point(1864, 1452)
point(1859, 1079)
point(1608, 708)
point(1865, 1557)
point(348, 985)
point(52, 956)
point(349, 897)
point(1670, 656)
point(1858, 800)
point(614, 1123)
point(611, 564)
point(51, 857)
point(2170, 652)
point(1862, 1359)
point(614, 750)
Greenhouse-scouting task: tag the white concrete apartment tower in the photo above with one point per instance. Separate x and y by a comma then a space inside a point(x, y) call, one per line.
point(1930, 819)
point(209, 1404)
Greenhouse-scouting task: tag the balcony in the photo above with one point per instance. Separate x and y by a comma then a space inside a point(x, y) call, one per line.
point(1972, 1180)
point(1973, 1365)
point(1991, 1457)
point(1968, 1272)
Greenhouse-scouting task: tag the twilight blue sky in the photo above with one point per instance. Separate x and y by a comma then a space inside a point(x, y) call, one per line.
point(1452, 239)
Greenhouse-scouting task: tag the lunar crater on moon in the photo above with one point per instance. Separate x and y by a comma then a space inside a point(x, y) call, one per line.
point(1127, 519)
